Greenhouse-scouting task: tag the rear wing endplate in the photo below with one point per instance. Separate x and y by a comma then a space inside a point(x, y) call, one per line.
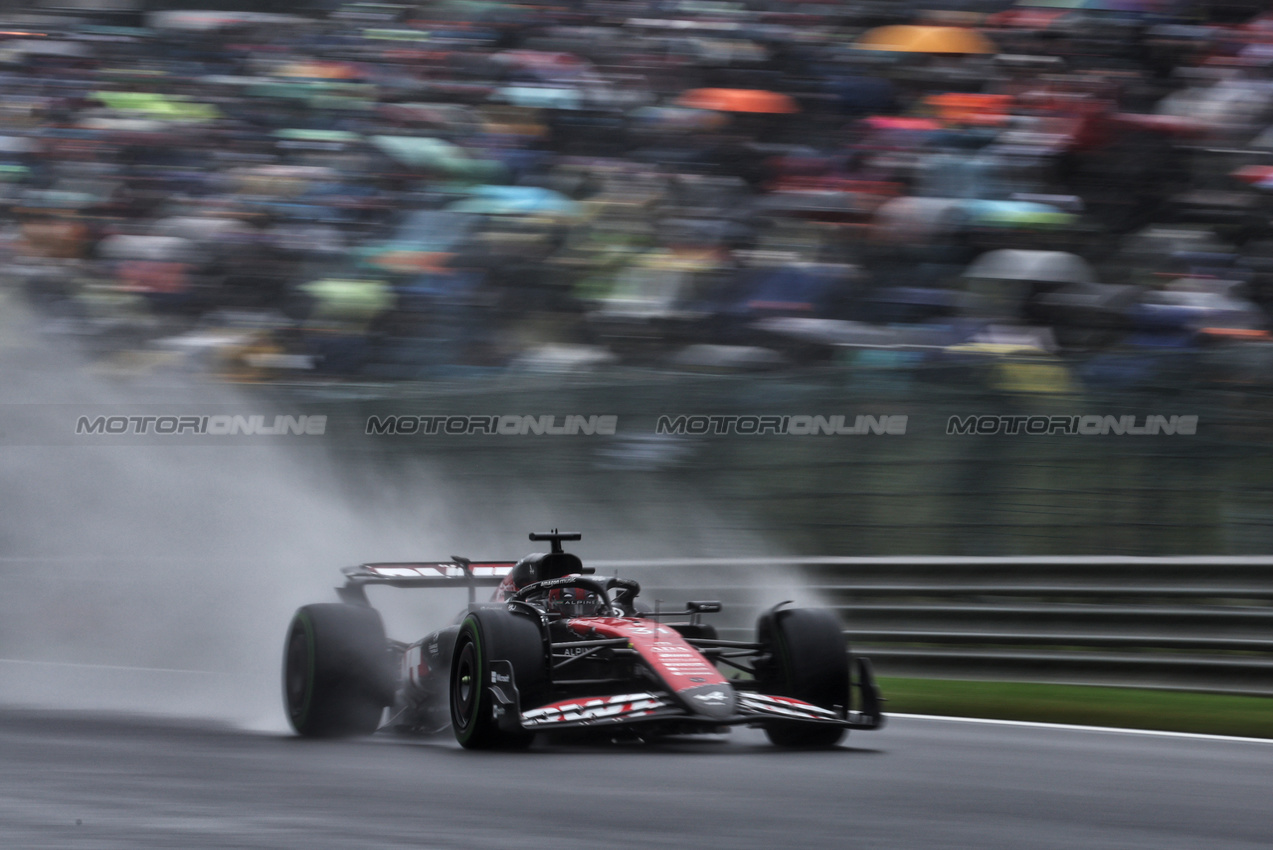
point(455, 573)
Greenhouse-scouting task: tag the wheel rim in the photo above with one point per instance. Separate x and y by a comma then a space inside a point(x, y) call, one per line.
point(297, 679)
point(464, 690)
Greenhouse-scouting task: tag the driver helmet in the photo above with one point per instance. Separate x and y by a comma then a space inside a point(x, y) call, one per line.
point(574, 601)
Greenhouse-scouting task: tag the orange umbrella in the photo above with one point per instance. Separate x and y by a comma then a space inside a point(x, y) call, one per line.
point(320, 70)
point(924, 39)
point(738, 100)
point(971, 108)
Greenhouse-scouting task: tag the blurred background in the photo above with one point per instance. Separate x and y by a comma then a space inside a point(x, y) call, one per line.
point(668, 206)
point(633, 208)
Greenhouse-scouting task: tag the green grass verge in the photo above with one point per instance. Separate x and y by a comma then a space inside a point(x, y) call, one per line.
point(1175, 711)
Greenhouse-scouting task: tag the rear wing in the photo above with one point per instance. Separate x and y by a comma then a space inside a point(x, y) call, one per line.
point(455, 573)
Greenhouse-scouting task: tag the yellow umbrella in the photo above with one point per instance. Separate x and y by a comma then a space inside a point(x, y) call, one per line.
point(158, 106)
point(351, 303)
point(925, 39)
point(1018, 368)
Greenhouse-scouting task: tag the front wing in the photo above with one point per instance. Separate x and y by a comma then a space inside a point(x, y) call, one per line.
point(647, 707)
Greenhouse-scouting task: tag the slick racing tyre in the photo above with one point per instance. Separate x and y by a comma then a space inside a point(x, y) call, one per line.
point(807, 660)
point(337, 676)
point(486, 635)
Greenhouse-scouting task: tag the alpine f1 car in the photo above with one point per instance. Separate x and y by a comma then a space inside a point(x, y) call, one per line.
point(558, 650)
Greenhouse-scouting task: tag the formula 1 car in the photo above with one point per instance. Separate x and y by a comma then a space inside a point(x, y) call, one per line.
point(558, 650)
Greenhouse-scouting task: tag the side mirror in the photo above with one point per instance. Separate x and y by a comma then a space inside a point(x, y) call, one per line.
point(703, 607)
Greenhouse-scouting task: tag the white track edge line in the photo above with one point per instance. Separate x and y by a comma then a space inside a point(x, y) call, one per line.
point(1074, 727)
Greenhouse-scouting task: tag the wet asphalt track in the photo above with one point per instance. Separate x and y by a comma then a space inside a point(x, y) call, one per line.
point(74, 781)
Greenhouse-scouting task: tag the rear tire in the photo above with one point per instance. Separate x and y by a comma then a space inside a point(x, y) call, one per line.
point(337, 677)
point(808, 661)
point(489, 634)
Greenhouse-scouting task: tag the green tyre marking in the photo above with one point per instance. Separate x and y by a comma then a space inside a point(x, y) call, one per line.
point(311, 652)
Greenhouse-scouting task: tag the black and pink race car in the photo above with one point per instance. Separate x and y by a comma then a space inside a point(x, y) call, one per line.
point(557, 650)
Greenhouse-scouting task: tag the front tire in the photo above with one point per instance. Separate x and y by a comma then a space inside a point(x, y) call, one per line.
point(808, 661)
point(337, 678)
point(489, 634)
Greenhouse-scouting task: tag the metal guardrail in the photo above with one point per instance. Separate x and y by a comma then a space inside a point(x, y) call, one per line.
point(1191, 623)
